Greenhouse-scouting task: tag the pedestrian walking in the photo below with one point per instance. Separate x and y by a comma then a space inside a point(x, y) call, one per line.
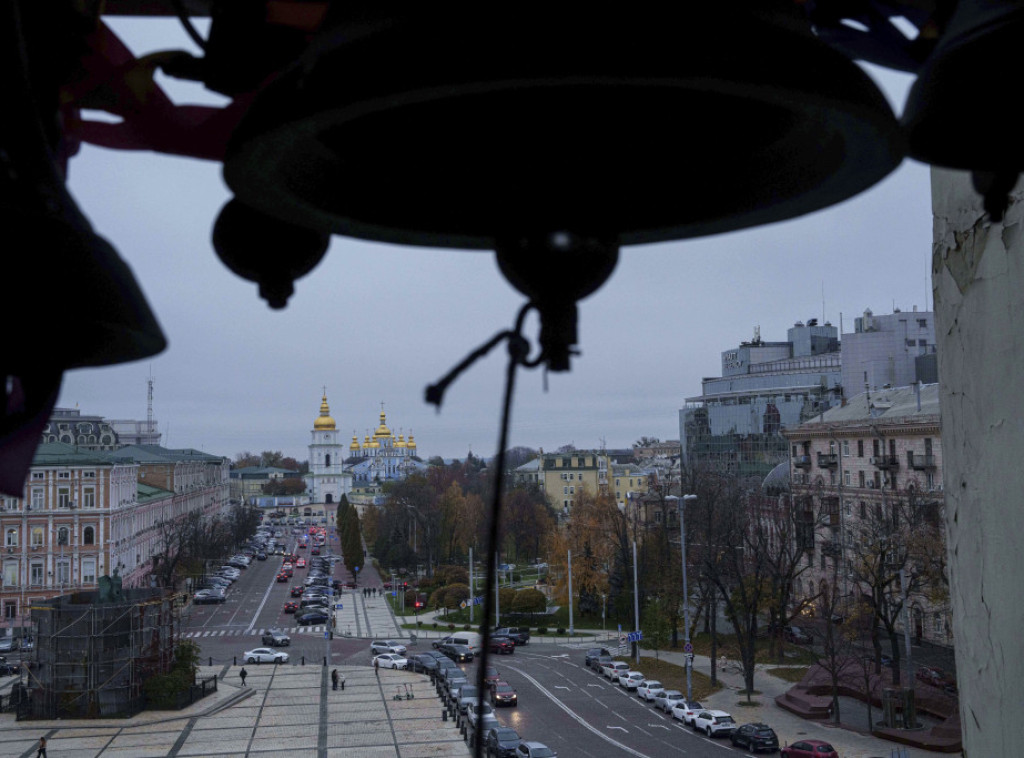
point(342, 682)
point(243, 673)
point(42, 748)
point(376, 667)
point(334, 679)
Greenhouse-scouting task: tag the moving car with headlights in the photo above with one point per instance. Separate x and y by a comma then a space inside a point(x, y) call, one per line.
point(265, 655)
point(390, 661)
point(755, 737)
point(458, 653)
point(276, 638)
point(713, 723)
point(503, 694)
point(502, 646)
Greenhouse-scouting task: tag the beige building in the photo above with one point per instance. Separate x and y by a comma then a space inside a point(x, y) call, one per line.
point(566, 476)
point(85, 513)
point(862, 472)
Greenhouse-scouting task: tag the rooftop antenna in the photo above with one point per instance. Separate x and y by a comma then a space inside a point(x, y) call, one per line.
point(823, 301)
point(149, 401)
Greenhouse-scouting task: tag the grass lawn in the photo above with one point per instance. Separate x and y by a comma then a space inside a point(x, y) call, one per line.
point(789, 673)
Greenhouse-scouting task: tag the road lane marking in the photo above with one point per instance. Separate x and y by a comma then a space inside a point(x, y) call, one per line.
point(273, 581)
point(620, 728)
point(560, 687)
point(579, 719)
point(659, 726)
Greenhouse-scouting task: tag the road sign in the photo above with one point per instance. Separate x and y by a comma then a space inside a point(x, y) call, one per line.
point(622, 640)
point(478, 600)
point(355, 568)
point(463, 604)
point(326, 635)
point(338, 606)
point(635, 636)
point(688, 648)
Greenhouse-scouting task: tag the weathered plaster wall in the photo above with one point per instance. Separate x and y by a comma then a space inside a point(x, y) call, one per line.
point(978, 281)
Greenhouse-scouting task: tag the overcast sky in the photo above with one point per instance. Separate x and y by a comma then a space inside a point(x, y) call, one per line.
point(377, 323)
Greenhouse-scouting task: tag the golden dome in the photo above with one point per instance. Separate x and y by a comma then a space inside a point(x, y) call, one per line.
point(355, 443)
point(382, 430)
point(401, 441)
point(324, 422)
point(410, 443)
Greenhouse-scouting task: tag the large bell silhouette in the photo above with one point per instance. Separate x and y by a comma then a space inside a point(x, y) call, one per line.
point(959, 113)
point(467, 124)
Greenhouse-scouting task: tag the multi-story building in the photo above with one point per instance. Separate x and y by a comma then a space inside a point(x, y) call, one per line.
point(566, 476)
point(736, 421)
point(69, 426)
point(87, 513)
point(866, 472)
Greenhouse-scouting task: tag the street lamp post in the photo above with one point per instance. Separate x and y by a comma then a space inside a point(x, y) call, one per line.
point(686, 596)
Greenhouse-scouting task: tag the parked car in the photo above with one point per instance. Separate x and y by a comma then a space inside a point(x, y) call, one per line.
point(594, 653)
point(467, 694)
point(265, 655)
point(424, 663)
point(533, 749)
point(649, 689)
point(598, 662)
point(755, 737)
point(630, 680)
point(797, 635)
point(387, 646)
point(936, 677)
point(390, 661)
point(491, 676)
point(713, 723)
point(667, 700)
point(480, 720)
point(810, 749)
point(503, 694)
point(501, 742)
point(686, 711)
point(614, 670)
point(276, 638)
point(313, 617)
point(202, 597)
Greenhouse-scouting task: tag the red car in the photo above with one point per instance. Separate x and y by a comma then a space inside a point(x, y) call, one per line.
point(502, 646)
point(297, 590)
point(291, 607)
point(810, 749)
point(282, 577)
point(315, 551)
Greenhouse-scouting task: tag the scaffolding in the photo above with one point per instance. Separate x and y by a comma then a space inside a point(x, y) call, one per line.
point(91, 659)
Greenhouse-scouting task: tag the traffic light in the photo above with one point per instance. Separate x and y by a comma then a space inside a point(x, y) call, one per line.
point(405, 585)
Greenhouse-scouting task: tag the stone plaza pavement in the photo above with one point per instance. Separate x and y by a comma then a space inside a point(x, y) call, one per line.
point(282, 711)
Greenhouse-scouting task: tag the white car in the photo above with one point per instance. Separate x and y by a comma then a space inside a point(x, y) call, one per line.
point(387, 646)
point(686, 712)
point(713, 723)
point(615, 670)
point(390, 661)
point(648, 690)
point(630, 679)
point(265, 655)
point(667, 700)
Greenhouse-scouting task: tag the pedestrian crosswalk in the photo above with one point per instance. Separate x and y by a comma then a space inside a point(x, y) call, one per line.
point(207, 633)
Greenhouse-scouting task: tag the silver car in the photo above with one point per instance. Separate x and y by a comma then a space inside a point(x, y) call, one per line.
point(667, 700)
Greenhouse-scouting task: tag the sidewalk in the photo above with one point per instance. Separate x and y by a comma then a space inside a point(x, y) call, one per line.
point(790, 727)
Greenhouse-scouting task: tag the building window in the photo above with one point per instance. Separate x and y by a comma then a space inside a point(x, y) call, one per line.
point(63, 474)
point(89, 570)
point(860, 448)
point(565, 490)
point(36, 538)
point(10, 609)
point(63, 572)
point(11, 539)
point(38, 475)
point(89, 536)
point(846, 478)
point(36, 573)
point(846, 448)
point(88, 474)
point(863, 510)
point(63, 497)
point(63, 536)
point(860, 479)
point(38, 498)
point(88, 497)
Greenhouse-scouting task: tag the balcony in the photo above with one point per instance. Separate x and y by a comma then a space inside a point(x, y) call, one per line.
point(801, 461)
point(828, 460)
point(885, 462)
point(920, 462)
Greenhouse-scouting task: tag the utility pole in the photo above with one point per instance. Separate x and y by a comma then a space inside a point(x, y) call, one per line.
point(636, 603)
point(472, 587)
point(570, 593)
point(686, 597)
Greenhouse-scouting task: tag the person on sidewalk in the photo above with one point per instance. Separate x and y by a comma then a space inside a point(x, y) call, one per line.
point(242, 674)
point(376, 668)
point(42, 748)
point(334, 679)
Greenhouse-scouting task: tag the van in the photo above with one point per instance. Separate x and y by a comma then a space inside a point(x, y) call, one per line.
point(472, 640)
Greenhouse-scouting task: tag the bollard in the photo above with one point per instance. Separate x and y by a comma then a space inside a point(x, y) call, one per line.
point(211, 660)
point(444, 714)
point(303, 660)
point(325, 660)
point(235, 661)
